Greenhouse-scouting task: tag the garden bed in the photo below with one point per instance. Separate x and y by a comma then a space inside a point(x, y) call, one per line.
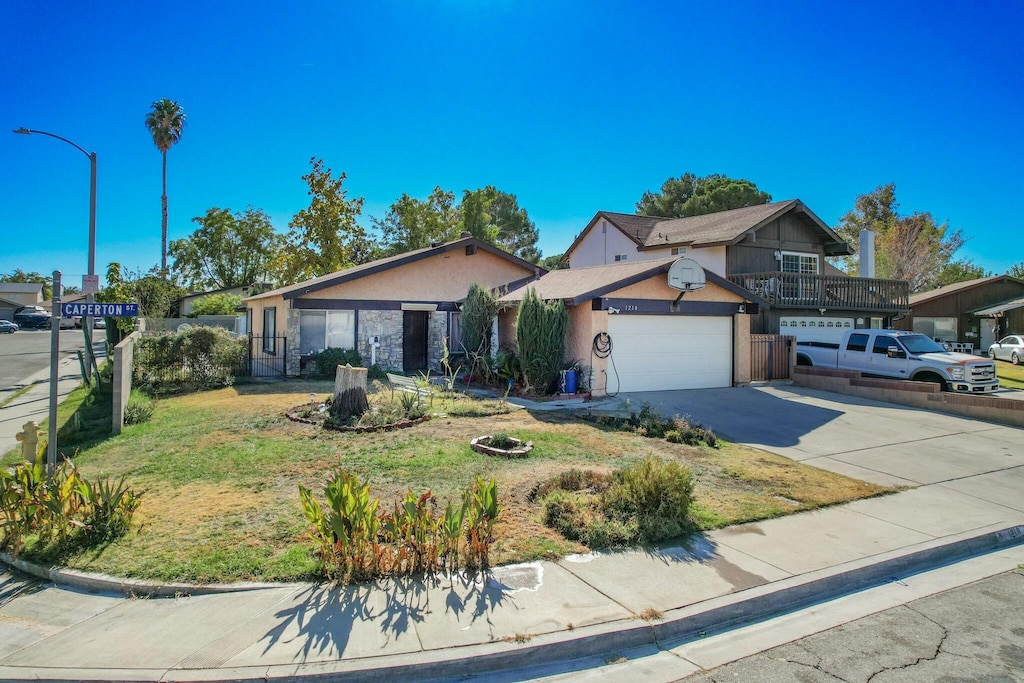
point(221, 469)
point(295, 415)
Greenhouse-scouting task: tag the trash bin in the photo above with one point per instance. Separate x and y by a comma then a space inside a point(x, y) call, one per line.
point(569, 381)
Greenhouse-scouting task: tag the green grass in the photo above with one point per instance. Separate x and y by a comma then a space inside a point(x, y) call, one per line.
point(15, 395)
point(220, 471)
point(1010, 375)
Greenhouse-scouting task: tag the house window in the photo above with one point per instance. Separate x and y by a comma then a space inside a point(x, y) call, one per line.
point(805, 264)
point(455, 332)
point(270, 330)
point(678, 251)
point(319, 330)
point(938, 328)
point(620, 257)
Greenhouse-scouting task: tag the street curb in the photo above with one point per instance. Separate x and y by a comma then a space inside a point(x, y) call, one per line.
point(679, 625)
point(132, 587)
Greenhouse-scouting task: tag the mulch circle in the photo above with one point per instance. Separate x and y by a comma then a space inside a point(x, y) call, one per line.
point(294, 416)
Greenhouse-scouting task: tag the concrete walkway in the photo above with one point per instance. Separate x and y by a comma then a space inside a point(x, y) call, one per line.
point(970, 501)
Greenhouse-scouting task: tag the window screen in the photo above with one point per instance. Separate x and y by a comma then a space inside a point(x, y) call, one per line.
point(270, 330)
point(312, 331)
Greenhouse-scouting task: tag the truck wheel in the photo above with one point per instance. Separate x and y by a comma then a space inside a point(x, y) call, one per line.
point(1015, 359)
point(932, 377)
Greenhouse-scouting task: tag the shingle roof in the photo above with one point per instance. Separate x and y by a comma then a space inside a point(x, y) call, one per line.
point(956, 287)
point(21, 287)
point(362, 270)
point(1000, 307)
point(578, 285)
point(722, 227)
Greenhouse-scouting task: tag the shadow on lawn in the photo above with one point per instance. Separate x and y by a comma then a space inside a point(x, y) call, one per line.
point(324, 620)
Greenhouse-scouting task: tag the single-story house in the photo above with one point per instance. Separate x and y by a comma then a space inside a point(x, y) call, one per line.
point(181, 308)
point(395, 311)
point(976, 312)
point(22, 293)
point(659, 339)
point(7, 309)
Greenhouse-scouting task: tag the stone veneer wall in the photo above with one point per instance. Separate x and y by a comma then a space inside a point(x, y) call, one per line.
point(437, 330)
point(292, 364)
point(388, 326)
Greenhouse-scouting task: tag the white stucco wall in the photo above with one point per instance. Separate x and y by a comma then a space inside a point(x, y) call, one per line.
point(600, 246)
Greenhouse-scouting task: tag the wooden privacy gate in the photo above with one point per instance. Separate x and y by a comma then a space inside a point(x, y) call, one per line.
point(770, 356)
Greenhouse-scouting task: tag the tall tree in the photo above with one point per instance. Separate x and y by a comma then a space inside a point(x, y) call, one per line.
point(496, 217)
point(227, 250)
point(20, 276)
point(691, 195)
point(553, 262)
point(324, 237)
point(165, 121)
point(412, 223)
point(913, 248)
point(1016, 270)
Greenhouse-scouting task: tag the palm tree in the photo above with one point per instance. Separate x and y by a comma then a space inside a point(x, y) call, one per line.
point(165, 123)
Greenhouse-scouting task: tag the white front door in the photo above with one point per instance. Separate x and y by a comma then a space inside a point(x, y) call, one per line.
point(988, 334)
point(661, 352)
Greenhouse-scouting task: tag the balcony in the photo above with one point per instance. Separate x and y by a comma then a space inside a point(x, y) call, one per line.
point(797, 290)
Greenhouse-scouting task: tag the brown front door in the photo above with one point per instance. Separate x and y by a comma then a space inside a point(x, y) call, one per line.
point(414, 340)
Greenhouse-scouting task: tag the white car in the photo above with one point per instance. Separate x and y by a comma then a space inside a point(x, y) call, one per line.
point(1008, 348)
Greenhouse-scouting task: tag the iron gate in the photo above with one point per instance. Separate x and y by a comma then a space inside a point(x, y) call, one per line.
point(267, 356)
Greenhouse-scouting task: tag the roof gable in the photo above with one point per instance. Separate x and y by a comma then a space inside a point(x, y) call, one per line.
point(946, 290)
point(712, 229)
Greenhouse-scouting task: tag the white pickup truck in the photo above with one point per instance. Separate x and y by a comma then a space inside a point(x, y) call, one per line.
point(902, 355)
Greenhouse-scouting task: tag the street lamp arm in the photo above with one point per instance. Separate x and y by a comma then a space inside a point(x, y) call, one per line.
point(28, 131)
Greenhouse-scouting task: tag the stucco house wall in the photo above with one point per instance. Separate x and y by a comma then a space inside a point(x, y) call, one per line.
point(605, 241)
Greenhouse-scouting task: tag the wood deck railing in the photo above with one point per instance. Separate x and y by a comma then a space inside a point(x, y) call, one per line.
point(795, 290)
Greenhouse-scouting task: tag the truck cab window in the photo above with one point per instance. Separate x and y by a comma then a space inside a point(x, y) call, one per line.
point(883, 342)
point(858, 342)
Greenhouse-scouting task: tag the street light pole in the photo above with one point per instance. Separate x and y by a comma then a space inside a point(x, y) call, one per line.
point(87, 322)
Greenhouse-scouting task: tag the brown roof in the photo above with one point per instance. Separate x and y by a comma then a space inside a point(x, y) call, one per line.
point(364, 269)
point(722, 227)
point(957, 287)
point(578, 285)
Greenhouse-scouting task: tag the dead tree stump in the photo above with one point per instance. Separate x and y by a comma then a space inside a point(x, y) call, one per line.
point(349, 393)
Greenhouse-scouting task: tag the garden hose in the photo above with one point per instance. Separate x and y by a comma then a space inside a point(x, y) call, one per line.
point(602, 348)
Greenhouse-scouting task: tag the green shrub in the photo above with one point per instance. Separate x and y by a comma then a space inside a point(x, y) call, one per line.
point(215, 304)
point(502, 441)
point(540, 335)
point(653, 493)
point(138, 410)
point(198, 358)
point(327, 361)
point(477, 320)
point(646, 502)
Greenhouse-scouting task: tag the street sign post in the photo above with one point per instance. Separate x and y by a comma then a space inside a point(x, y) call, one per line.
point(98, 310)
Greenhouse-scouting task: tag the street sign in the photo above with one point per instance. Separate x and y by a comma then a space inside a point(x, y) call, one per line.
point(90, 284)
point(97, 310)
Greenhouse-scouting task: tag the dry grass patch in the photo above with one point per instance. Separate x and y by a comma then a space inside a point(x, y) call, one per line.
point(221, 470)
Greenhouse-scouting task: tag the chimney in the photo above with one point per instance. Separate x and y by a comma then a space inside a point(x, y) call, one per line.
point(867, 253)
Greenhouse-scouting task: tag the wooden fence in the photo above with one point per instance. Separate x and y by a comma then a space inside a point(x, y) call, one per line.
point(771, 356)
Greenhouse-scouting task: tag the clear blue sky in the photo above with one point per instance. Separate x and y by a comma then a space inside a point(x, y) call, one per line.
point(573, 106)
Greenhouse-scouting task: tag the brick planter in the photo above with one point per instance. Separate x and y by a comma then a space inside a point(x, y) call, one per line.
point(479, 444)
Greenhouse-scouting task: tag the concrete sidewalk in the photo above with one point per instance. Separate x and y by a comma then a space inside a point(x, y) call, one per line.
point(34, 403)
point(526, 615)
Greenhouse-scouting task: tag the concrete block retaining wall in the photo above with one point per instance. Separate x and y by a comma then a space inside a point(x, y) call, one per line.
point(925, 395)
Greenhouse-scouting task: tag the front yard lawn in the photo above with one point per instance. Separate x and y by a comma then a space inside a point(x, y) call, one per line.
point(1010, 376)
point(220, 471)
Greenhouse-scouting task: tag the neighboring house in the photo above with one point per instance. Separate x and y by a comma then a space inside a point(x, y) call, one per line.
point(66, 299)
point(659, 339)
point(7, 309)
point(775, 251)
point(976, 312)
point(409, 303)
point(23, 293)
point(181, 308)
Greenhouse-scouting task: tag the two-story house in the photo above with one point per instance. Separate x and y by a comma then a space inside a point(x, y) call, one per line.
point(776, 251)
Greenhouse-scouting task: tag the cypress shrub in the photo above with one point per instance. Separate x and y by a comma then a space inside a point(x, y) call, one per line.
point(540, 333)
point(478, 314)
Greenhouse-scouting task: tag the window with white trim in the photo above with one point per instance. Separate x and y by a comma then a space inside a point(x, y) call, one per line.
point(795, 262)
point(678, 251)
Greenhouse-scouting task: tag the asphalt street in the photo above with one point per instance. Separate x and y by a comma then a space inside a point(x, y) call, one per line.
point(972, 633)
point(26, 352)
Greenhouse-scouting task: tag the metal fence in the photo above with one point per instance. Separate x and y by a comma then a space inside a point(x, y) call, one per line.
point(770, 356)
point(267, 356)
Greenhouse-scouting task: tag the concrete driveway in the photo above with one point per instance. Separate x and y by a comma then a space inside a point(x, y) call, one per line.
point(868, 440)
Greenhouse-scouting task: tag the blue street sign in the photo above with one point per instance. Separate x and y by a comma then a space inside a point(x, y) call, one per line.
point(97, 310)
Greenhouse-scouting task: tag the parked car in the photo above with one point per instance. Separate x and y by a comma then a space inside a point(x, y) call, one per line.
point(1008, 348)
point(67, 323)
point(902, 355)
point(32, 316)
point(7, 327)
point(100, 323)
